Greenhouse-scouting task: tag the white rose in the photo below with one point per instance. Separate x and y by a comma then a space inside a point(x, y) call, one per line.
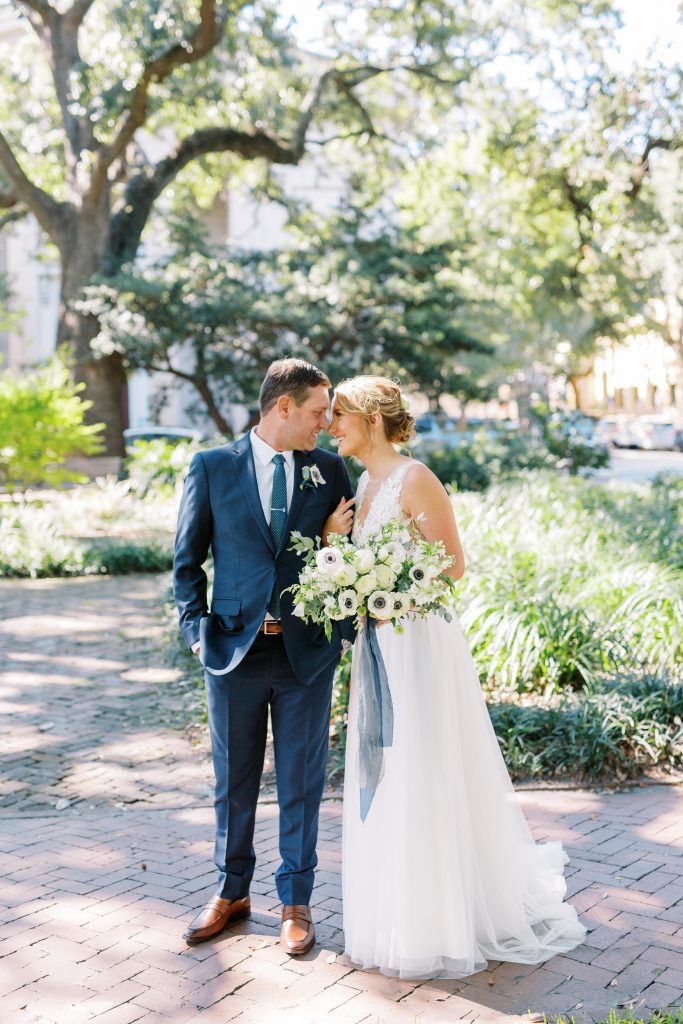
point(385, 577)
point(364, 559)
point(366, 584)
point(346, 576)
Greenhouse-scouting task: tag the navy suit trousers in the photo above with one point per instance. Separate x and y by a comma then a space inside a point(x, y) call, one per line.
point(238, 719)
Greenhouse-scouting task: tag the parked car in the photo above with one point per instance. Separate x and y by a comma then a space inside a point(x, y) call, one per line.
point(659, 434)
point(436, 432)
point(613, 430)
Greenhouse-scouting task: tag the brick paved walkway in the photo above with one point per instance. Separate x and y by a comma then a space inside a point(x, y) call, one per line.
point(105, 846)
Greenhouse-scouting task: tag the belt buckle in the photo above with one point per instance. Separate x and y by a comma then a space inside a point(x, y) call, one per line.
point(271, 627)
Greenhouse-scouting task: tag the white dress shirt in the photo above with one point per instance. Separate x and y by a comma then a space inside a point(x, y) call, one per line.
point(265, 469)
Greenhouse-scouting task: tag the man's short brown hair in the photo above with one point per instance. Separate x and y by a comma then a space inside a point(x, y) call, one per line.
point(292, 377)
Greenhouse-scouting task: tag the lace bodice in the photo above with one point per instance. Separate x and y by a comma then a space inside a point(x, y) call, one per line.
point(385, 506)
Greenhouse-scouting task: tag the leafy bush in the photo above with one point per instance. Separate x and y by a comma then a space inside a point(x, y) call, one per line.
point(570, 581)
point(477, 463)
point(617, 730)
point(41, 423)
point(101, 528)
point(158, 466)
point(563, 440)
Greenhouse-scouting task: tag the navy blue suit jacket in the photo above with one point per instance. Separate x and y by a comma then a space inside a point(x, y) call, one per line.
point(221, 511)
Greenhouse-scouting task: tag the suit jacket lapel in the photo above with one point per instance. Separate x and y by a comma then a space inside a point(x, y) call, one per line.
point(246, 475)
point(301, 459)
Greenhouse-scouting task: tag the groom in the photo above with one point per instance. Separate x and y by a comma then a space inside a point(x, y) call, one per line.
point(241, 502)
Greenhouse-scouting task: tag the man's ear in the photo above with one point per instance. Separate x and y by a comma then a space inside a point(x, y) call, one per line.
point(284, 406)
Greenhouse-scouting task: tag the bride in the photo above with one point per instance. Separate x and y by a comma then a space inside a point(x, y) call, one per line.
point(443, 873)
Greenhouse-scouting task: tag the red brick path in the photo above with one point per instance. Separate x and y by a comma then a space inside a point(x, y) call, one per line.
point(95, 894)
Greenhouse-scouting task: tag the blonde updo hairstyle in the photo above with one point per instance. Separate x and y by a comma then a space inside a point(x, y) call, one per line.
point(367, 395)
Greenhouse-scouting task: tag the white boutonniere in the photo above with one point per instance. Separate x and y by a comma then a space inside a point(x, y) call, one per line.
point(312, 477)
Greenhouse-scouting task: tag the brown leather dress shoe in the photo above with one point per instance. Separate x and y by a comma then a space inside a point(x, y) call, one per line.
point(297, 934)
point(214, 917)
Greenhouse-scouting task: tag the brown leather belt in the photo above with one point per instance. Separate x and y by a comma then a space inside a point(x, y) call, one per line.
point(270, 627)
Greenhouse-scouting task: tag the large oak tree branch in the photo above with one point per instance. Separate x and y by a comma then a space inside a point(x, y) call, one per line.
point(38, 10)
point(48, 212)
point(58, 34)
point(641, 171)
point(77, 12)
point(8, 200)
point(204, 38)
point(144, 189)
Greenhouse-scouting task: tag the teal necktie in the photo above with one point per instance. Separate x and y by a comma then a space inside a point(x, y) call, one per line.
point(278, 520)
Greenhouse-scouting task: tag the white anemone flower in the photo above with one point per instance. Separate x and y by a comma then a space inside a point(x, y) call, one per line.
point(400, 604)
point(329, 560)
point(420, 574)
point(380, 605)
point(348, 602)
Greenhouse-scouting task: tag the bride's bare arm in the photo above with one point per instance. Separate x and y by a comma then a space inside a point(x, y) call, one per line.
point(425, 498)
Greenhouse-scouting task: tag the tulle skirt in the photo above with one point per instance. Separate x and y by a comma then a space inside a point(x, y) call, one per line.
point(443, 874)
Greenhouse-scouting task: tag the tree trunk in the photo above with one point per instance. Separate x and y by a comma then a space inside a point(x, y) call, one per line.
point(202, 386)
point(83, 255)
point(573, 380)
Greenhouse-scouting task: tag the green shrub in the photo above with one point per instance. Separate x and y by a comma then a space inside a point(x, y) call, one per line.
point(101, 528)
point(158, 465)
point(616, 731)
point(569, 581)
point(563, 440)
point(477, 463)
point(41, 423)
point(120, 557)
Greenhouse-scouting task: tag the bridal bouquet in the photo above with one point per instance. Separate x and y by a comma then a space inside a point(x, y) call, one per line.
point(394, 574)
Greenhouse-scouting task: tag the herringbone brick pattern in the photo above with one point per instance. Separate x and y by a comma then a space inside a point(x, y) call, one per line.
point(96, 894)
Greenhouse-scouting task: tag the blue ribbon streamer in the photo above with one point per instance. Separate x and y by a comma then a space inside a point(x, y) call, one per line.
point(375, 714)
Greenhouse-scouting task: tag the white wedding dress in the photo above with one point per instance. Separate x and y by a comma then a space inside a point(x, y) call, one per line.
point(443, 874)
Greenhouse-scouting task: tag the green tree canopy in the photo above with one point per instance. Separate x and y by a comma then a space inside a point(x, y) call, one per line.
point(360, 297)
point(129, 100)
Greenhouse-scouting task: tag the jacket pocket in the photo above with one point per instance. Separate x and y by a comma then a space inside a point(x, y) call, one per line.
point(226, 605)
point(226, 613)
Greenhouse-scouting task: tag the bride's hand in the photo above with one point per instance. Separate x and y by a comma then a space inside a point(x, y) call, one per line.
point(341, 520)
